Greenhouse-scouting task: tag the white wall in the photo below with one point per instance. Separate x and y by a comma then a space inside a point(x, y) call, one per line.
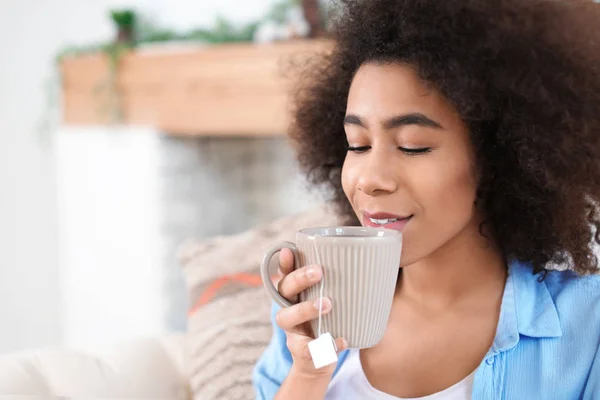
point(189, 14)
point(111, 255)
point(31, 32)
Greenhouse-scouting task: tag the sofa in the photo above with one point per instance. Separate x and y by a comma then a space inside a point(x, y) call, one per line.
point(144, 368)
point(228, 328)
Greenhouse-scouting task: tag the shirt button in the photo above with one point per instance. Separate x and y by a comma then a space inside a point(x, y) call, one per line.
point(489, 361)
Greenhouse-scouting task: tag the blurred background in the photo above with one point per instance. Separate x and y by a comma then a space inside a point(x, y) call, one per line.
point(127, 128)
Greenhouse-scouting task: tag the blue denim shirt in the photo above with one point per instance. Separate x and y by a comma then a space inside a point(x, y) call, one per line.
point(547, 343)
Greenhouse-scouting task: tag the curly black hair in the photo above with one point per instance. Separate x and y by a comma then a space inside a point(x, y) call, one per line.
point(524, 75)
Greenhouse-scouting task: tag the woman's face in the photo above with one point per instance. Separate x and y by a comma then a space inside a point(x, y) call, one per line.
point(410, 162)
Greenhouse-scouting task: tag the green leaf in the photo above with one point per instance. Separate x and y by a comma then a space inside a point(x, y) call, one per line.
point(123, 18)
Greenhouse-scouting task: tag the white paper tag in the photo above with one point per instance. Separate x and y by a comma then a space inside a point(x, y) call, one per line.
point(323, 351)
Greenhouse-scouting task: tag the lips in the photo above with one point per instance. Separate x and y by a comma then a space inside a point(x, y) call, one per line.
point(386, 220)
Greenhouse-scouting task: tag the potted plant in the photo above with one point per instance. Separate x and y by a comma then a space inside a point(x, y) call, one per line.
point(124, 21)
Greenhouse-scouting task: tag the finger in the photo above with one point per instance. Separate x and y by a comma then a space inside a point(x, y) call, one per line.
point(299, 280)
point(297, 344)
point(286, 261)
point(289, 319)
point(341, 344)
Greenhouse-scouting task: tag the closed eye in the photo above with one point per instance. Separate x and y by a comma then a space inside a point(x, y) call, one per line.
point(406, 150)
point(414, 152)
point(360, 149)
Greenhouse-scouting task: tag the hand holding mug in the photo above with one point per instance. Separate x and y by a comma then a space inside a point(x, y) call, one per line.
point(294, 320)
point(359, 270)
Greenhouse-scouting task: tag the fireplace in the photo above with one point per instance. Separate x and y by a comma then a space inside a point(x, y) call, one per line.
point(218, 186)
point(129, 196)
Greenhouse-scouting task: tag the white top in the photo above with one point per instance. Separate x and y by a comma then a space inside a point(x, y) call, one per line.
point(351, 383)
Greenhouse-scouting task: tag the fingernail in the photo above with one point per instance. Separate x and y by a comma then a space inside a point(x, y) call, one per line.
point(343, 346)
point(326, 304)
point(311, 273)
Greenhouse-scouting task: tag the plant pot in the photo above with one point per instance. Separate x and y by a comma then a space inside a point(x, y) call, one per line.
point(125, 35)
point(312, 14)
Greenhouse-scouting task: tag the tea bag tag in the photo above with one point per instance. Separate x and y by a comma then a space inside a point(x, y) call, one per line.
point(323, 351)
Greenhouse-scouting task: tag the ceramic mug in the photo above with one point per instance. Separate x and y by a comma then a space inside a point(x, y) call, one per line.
point(360, 271)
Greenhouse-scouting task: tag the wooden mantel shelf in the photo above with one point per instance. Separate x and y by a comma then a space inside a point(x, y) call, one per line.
point(233, 90)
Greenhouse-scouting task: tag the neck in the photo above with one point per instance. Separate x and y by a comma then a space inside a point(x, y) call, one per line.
point(468, 265)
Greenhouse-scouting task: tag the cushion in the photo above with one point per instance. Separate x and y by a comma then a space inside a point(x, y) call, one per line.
point(228, 320)
point(142, 368)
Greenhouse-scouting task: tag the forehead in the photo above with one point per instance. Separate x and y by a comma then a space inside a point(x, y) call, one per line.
point(379, 90)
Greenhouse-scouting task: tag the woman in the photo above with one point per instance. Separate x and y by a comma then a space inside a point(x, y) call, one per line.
point(473, 127)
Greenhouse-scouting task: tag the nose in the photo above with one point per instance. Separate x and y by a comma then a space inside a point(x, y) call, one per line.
point(376, 176)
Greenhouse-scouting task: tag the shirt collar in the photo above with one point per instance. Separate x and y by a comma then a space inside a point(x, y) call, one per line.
point(527, 309)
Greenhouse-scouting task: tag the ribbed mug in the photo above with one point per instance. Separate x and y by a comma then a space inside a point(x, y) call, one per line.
point(360, 271)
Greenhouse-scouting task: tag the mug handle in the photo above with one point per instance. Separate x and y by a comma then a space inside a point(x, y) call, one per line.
point(266, 274)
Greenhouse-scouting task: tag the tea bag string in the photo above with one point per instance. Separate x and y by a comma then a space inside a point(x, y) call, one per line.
point(319, 332)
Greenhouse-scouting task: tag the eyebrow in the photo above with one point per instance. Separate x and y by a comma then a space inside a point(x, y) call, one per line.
point(397, 121)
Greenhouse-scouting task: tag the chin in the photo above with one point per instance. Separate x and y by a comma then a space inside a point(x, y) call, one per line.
point(409, 257)
point(406, 263)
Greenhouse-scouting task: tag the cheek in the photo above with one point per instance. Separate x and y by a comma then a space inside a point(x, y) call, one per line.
point(445, 194)
point(348, 179)
point(448, 192)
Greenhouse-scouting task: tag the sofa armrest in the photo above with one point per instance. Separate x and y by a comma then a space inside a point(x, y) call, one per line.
point(144, 368)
